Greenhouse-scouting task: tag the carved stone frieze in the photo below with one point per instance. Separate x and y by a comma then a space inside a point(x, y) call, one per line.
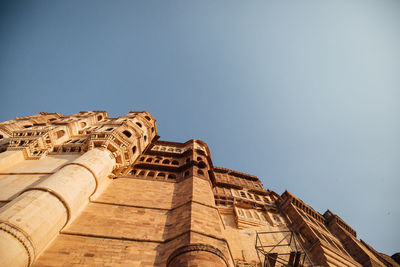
point(52, 133)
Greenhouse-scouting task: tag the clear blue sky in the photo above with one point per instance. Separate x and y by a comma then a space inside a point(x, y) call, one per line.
point(303, 94)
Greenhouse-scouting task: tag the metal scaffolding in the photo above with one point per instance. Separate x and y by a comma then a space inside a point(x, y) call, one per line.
point(286, 252)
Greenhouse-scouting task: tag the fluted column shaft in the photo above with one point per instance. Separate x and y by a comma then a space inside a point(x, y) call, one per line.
point(32, 220)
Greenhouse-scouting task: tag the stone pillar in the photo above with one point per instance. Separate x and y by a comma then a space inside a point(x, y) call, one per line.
point(32, 220)
point(197, 255)
point(199, 218)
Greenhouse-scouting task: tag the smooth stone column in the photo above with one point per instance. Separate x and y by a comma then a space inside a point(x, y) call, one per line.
point(40, 212)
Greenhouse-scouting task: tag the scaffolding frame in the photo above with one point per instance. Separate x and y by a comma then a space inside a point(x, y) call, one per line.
point(297, 254)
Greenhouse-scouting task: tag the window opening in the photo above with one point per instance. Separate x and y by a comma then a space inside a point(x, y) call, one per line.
point(127, 133)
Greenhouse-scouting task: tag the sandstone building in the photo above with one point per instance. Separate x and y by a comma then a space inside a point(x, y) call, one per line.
point(90, 190)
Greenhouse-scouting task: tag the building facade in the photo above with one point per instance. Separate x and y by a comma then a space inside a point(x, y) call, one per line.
point(90, 190)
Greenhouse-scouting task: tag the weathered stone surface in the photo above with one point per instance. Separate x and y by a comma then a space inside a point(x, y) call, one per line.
point(89, 190)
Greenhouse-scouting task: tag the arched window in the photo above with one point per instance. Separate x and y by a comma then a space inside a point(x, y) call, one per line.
point(99, 117)
point(200, 172)
point(171, 176)
point(186, 174)
point(201, 165)
point(127, 133)
point(242, 194)
point(142, 173)
point(147, 118)
point(133, 149)
point(152, 129)
point(161, 174)
point(175, 162)
point(199, 158)
point(151, 174)
point(145, 138)
point(141, 159)
point(133, 171)
point(187, 160)
point(139, 124)
point(60, 133)
point(1, 136)
point(165, 161)
point(149, 160)
point(83, 124)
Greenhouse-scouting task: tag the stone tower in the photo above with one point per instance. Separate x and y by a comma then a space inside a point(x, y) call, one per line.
point(89, 190)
